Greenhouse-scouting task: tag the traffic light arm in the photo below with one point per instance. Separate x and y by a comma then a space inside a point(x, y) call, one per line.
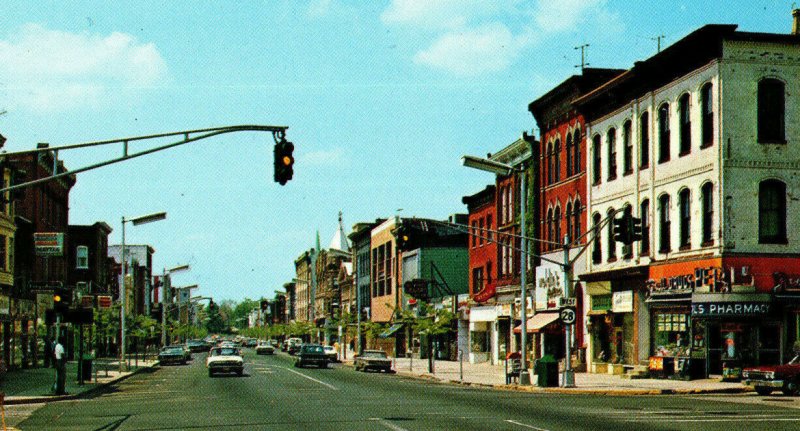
point(278, 133)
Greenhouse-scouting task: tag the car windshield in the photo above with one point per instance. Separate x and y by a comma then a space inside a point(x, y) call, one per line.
point(374, 354)
point(173, 350)
point(312, 349)
point(225, 351)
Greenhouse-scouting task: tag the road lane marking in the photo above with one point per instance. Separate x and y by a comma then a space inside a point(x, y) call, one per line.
point(731, 419)
point(388, 424)
point(526, 425)
point(311, 378)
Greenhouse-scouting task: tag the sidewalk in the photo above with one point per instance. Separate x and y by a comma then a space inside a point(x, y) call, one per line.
point(485, 374)
point(34, 385)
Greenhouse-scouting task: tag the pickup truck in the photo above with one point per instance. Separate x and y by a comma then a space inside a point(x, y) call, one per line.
point(765, 379)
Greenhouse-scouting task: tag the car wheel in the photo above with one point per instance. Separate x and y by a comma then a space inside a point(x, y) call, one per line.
point(210, 373)
point(297, 365)
point(239, 373)
point(790, 389)
point(764, 391)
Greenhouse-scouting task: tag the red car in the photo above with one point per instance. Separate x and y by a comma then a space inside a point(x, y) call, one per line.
point(767, 378)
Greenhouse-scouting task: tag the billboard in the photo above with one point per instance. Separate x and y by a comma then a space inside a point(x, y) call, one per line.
point(49, 243)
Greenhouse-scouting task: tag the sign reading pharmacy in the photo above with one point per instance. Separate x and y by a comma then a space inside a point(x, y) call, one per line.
point(710, 309)
point(49, 243)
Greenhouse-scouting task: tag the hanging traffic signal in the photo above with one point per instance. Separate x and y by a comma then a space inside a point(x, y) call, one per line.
point(59, 302)
point(635, 228)
point(403, 237)
point(284, 161)
point(621, 230)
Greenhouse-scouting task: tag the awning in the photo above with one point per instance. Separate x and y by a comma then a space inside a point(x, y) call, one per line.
point(537, 322)
point(391, 331)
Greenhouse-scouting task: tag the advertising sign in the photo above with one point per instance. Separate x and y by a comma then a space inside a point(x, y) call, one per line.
point(622, 302)
point(709, 309)
point(49, 243)
point(104, 301)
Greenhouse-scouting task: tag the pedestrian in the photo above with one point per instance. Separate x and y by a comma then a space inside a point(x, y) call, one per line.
point(61, 368)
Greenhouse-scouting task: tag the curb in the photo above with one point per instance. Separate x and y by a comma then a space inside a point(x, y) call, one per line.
point(10, 401)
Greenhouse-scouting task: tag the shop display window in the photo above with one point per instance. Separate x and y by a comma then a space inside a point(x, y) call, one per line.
point(671, 334)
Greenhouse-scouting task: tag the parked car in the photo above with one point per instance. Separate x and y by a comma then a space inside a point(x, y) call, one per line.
point(172, 355)
point(767, 378)
point(197, 346)
point(294, 345)
point(330, 351)
point(264, 348)
point(224, 360)
point(273, 342)
point(251, 342)
point(311, 354)
point(373, 360)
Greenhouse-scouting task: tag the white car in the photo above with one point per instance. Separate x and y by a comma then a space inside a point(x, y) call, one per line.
point(264, 348)
point(331, 353)
point(224, 360)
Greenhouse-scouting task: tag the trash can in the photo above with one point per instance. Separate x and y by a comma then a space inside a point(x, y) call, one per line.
point(85, 368)
point(547, 372)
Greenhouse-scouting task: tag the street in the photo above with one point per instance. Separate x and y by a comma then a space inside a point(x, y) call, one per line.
point(275, 395)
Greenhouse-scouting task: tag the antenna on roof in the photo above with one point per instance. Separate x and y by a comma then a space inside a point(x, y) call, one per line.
point(584, 63)
point(658, 41)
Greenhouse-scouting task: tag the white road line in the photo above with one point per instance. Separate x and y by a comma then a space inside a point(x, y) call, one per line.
point(388, 424)
point(525, 425)
point(732, 419)
point(310, 378)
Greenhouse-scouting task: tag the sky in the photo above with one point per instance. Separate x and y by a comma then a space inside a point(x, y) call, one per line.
point(382, 98)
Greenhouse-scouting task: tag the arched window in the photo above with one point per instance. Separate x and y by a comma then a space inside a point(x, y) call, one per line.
point(685, 209)
point(569, 155)
point(550, 163)
point(627, 144)
point(771, 111)
point(664, 245)
point(685, 138)
point(707, 115)
point(663, 133)
point(612, 243)
point(611, 142)
point(644, 213)
point(576, 220)
point(557, 229)
point(597, 252)
point(550, 231)
point(772, 212)
point(596, 173)
point(576, 148)
point(644, 140)
point(708, 212)
point(568, 219)
point(557, 160)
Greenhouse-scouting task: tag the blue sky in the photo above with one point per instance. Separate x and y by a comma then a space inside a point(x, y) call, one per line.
point(381, 99)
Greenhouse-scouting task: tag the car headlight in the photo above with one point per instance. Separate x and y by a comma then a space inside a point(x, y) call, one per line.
point(770, 375)
point(746, 374)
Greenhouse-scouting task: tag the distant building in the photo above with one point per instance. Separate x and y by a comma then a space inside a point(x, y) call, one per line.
point(140, 271)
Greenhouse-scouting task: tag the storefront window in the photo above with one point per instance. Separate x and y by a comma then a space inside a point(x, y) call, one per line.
point(671, 334)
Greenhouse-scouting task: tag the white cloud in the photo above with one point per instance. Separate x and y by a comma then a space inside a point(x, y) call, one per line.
point(332, 157)
point(490, 48)
point(437, 14)
point(47, 70)
point(319, 8)
point(565, 15)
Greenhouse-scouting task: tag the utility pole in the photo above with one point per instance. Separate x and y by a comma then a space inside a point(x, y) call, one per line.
point(583, 49)
point(658, 41)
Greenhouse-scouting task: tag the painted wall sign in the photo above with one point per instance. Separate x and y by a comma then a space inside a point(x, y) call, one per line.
point(622, 302)
point(786, 283)
point(49, 243)
point(710, 309)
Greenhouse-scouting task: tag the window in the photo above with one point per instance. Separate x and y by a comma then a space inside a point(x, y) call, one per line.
point(627, 157)
point(489, 232)
point(576, 220)
point(708, 212)
point(569, 155)
point(510, 199)
point(685, 131)
point(644, 140)
point(685, 209)
point(550, 232)
point(664, 232)
point(557, 161)
point(474, 233)
point(771, 111)
point(707, 115)
point(557, 228)
point(612, 243)
point(772, 212)
point(576, 147)
point(627, 249)
point(477, 280)
point(663, 133)
point(644, 244)
point(568, 219)
point(596, 159)
point(597, 252)
point(611, 141)
point(82, 257)
point(550, 167)
point(480, 231)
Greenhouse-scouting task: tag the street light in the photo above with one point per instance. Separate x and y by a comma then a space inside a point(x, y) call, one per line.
point(504, 169)
point(136, 221)
point(167, 287)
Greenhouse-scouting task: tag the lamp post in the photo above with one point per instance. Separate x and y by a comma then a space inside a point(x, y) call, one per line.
point(136, 221)
point(167, 287)
point(504, 169)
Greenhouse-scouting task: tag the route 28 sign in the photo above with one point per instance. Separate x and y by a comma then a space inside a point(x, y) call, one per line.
point(568, 315)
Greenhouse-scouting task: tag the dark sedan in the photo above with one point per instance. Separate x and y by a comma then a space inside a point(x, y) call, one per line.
point(311, 354)
point(172, 355)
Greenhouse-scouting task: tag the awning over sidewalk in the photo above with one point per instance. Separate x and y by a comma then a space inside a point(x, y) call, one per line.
point(391, 331)
point(537, 322)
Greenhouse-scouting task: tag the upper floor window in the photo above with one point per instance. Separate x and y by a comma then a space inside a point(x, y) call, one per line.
point(686, 218)
point(664, 245)
point(611, 141)
point(685, 138)
point(576, 220)
point(480, 231)
point(771, 111)
point(82, 257)
point(612, 243)
point(569, 155)
point(489, 228)
point(557, 223)
point(663, 133)
point(644, 140)
point(772, 212)
point(708, 212)
point(568, 219)
point(644, 213)
point(510, 199)
point(576, 149)
point(474, 233)
point(707, 115)
point(596, 159)
point(557, 161)
point(550, 167)
point(550, 231)
point(627, 156)
point(597, 252)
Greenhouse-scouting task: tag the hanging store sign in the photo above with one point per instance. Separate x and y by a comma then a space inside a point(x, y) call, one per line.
point(486, 293)
point(622, 302)
point(104, 301)
point(710, 309)
point(418, 288)
point(49, 243)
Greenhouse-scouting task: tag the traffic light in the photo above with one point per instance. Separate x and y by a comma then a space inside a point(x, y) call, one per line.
point(403, 237)
point(284, 161)
point(60, 303)
point(635, 229)
point(622, 229)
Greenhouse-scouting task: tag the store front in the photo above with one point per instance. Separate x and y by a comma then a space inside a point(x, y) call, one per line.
point(481, 323)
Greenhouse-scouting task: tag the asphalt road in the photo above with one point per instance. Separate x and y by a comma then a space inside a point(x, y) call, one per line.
point(273, 395)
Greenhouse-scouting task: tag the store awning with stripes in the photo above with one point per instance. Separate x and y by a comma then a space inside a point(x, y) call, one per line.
point(537, 322)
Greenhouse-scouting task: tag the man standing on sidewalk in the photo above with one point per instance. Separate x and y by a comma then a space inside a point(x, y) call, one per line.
point(61, 368)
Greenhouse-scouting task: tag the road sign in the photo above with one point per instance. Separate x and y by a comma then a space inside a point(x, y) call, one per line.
point(568, 316)
point(567, 302)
